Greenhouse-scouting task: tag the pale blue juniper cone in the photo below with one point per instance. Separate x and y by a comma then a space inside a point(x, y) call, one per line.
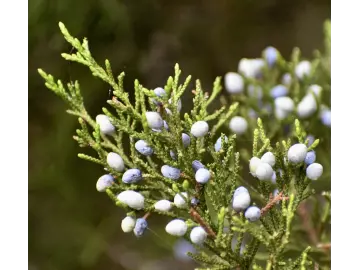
point(268, 158)
point(325, 117)
point(314, 171)
point(273, 178)
point(297, 153)
point(170, 172)
point(253, 165)
point(251, 68)
point(143, 148)
point(154, 120)
point(163, 205)
point(253, 213)
point(238, 125)
point(105, 125)
point(279, 91)
point(217, 145)
point(202, 176)
point(271, 56)
point(241, 201)
point(185, 139)
point(166, 126)
point(128, 224)
point(159, 92)
point(132, 176)
point(234, 83)
point(264, 171)
point(104, 182)
point(140, 227)
point(307, 106)
point(176, 227)
point(240, 190)
point(196, 165)
point(194, 201)
point(179, 200)
point(310, 157)
point(199, 129)
point(198, 235)
point(115, 161)
point(303, 69)
point(132, 199)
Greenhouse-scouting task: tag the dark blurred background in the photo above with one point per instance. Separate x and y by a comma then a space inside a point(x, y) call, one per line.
point(71, 225)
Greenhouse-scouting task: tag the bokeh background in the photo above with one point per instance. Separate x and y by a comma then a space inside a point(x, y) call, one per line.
point(71, 225)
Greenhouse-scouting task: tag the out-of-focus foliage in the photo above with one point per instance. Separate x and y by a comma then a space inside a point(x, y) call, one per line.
point(144, 39)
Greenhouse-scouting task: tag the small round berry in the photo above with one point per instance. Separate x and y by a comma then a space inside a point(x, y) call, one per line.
point(316, 89)
point(325, 117)
point(140, 227)
point(268, 158)
point(238, 125)
point(185, 139)
point(286, 79)
point(314, 171)
point(310, 157)
point(115, 162)
point(284, 103)
point(273, 178)
point(241, 201)
point(202, 176)
point(218, 143)
point(104, 182)
point(234, 83)
point(199, 129)
point(170, 172)
point(264, 172)
point(253, 213)
point(194, 201)
point(105, 125)
point(132, 199)
point(160, 92)
point(278, 91)
point(255, 91)
point(128, 224)
point(132, 176)
point(271, 55)
point(303, 69)
point(240, 190)
point(198, 235)
point(196, 165)
point(253, 165)
point(163, 205)
point(307, 106)
point(179, 104)
point(251, 68)
point(143, 148)
point(297, 153)
point(176, 227)
point(179, 201)
point(154, 120)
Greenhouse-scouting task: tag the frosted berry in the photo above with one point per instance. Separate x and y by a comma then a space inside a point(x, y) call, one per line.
point(115, 162)
point(104, 182)
point(140, 227)
point(163, 205)
point(279, 91)
point(307, 106)
point(132, 176)
point(271, 55)
point(154, 120)
point(132, 199)
point(143, 148)
point(254, 163)
point(179, 201)
point(253, 213)
point(198, 235)
point(202, 176)
point(185, 139)
point(297, 153)
point(176, 227)
point(264, 172)
point(303, 69)
point(218, 143)
point(325, 116)
point(199, 129)
point(197, 165)
point(268, 158)
point(128, 224)
point(105, 125)
point(310, 157)
point(314, 171)
point(251, 68)
point(240, 190)
point(170, 172)
point(241, 201)
point(234, 83)
point(238, 125)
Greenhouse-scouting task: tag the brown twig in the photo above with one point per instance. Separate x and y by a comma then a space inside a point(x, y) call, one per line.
point(195, 215)
point(325, 246)
point(272, 202)
point(146, 215)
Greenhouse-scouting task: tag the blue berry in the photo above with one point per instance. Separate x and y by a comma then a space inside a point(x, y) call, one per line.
point(253, 213)
point(173, 155)
point(160, 92)
point(202, 175)
point(154, 120)
point(140, 227)
point(240, 190)
point(143, 148)
point(199, 129)
point(132, 176)
point(310, 157)
point(241, 201)
point(185, 139)
point(314, 171)
point(104, 182)
point(326, 117)
point(194, 201)
point(271, 55)
point(196, 165)
point(278, 91)
point(218, 143)
point(170, 172)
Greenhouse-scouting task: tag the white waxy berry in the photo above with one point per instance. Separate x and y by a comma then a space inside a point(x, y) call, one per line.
point(104, 182)
point(316, 89)
point(268, 158)
point(238, 125)
point(303, 69)
point(307, 106)
point(128, 224)
point(283, 107)
point(251, 68)
point(179, 201)
point(143, 148)
point(297, 153)
point(105, 125)
point(314, 171)
point(254, 163)
point(218, 143)
point(176, 227)
point(240, 190)
point(115, 162)
point(154, 120)
point(253, 213)
point(198, 235)
point(264, 172)
point(241, 201)
point(132, 199)
point(170, 172)
point(163, 205)
point(234, 83)
point(202, 175)
point(199, 129)
point(185, 139)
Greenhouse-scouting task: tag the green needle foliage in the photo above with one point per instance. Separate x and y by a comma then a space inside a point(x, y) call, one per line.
point(293, 231)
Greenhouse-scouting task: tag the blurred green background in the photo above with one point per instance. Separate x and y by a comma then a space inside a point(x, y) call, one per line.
point(71, 225)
